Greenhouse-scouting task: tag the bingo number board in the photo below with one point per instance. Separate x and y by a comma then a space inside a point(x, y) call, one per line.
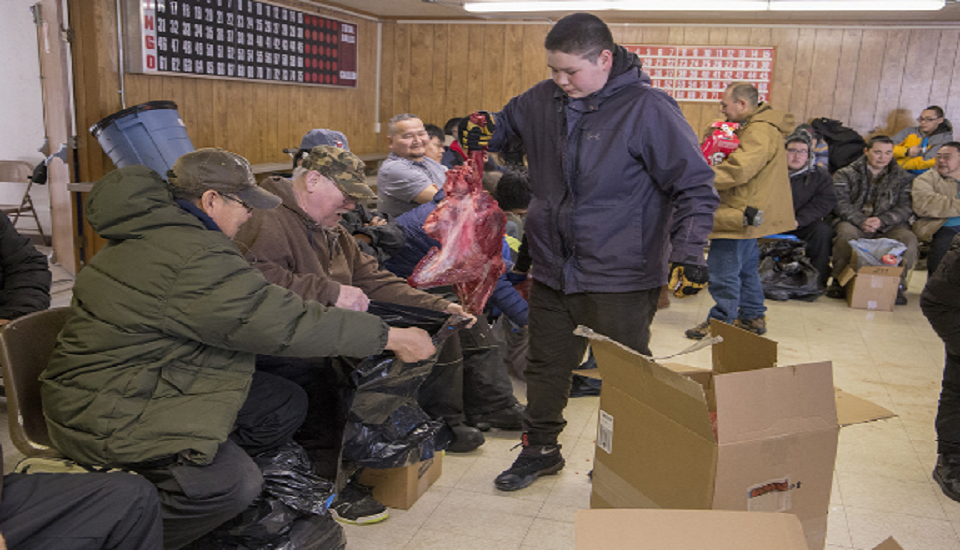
point(242, 39)
point(702, 73)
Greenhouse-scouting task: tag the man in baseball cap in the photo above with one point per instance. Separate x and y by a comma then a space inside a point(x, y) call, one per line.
point(302, 246)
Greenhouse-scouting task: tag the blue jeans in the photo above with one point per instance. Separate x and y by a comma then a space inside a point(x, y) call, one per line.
point(734, 267)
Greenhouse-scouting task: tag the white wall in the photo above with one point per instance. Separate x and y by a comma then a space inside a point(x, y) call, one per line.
point(21, 106)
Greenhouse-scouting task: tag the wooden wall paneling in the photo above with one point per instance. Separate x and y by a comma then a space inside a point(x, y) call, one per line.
point(918, 75)
point(513, 64)
point(656, 35)
point(738, 36)
point(493, 66)
point(219, 104)
point(803, 72)
point(886, 119)
point(458, 59)
point(534, 56)
point(676, 34)
point(436, 91)
point(846, 75)
point(867, 84)
point(401, 72)
point(718, 35)
point(387, 79)
point(785, 40)
point(823, 76)
point(761, 36)
point(946, 77)
point(475, 62)
point(421, 71)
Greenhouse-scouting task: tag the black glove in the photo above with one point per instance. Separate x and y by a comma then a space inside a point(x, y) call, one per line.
point(475, 132)
point(687, 279)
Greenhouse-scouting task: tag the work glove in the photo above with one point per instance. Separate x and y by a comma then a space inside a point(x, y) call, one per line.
point(687, 279)
point(476, 130)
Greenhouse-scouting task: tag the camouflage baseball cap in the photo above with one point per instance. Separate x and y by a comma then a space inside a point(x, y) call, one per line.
point(341, 166)
point(223, 172)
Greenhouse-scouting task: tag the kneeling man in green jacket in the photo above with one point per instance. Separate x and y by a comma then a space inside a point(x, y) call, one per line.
point(154, 370)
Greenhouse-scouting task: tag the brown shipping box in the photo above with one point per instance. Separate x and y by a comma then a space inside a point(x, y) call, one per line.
point(692, 530)
point(401, 487)
point(773, 451)
point(871, 287)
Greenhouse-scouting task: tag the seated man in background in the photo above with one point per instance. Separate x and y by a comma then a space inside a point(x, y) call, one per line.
point(814, 199)
point(435, 146)
point(92, 511)
point(873, 201)
point(407, 177)
point(302, 247)
point(936, 202)
point(915, 148)
point(154, 370)
point(24, 275)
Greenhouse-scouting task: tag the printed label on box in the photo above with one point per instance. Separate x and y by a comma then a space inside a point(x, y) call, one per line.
point(605, 432)
point(771, 496)
point(871, 304)
point(876, 282)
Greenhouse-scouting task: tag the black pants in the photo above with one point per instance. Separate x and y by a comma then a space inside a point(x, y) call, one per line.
point(486, 382)
point(946, 322)
point(196, 499)
point(555, 352)
point(819, 238)
point(939, 246)
point(80, 511)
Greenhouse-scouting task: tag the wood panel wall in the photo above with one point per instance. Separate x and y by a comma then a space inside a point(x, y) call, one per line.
point(255, 120)
point(874, 80)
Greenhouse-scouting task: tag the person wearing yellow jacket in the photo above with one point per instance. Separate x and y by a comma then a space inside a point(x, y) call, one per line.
point(915, 148)
point(755, 201)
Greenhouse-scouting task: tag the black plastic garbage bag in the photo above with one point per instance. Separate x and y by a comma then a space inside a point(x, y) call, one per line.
point(386, 428)
point(786, 272)
point(288, 476)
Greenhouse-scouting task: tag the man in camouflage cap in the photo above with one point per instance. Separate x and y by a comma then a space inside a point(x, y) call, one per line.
point(301, 246)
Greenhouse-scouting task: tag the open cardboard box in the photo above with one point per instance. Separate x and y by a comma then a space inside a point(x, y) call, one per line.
point(774, 446)
point(692, 530)
point(871, 287)
point(401, 487)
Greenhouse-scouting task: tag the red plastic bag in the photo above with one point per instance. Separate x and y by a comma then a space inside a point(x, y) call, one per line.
point(470, 226)
point(721, 142)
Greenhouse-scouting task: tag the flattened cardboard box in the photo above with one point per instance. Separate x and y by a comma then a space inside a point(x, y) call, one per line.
point(773, 450)
point(401, 487)
point(692, 530)
point(871, 287)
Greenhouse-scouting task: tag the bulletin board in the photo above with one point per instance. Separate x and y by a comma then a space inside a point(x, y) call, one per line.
point(239, 39)
point(702, 73)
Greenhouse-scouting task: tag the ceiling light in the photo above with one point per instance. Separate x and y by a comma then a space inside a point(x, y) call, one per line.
point(856, 5)
point(706, 5)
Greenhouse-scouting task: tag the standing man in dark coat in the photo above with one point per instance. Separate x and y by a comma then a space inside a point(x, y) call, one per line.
point(619, 190)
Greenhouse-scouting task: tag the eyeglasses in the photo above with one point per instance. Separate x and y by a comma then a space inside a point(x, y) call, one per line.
point(239, 201)
point(797, 151)
point(927, 119)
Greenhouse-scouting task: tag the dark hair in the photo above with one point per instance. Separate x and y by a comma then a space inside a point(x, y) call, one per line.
point(582, 34)
point(878, 139)
point(450, 128)
point(434, 131)
point(797, 139)
point(513, 191)
point(744, 91)
point(954, 144)
point(936, 109)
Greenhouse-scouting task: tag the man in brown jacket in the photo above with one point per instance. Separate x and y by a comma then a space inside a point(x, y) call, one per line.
point(301, 246)
point(936, 202)
point(755, 201)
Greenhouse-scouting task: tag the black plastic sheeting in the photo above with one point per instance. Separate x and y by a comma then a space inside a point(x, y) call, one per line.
point(386, 428)
point(786, 272)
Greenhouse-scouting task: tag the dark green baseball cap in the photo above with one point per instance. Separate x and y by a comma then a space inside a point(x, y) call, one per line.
point(223, 172)
point(342, 167)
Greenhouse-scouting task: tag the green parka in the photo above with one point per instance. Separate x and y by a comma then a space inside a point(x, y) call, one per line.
point(158, 355)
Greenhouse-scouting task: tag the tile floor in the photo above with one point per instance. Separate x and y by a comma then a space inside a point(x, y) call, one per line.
point(882, 485)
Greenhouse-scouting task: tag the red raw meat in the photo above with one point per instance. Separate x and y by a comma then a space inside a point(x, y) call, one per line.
point(470, 226)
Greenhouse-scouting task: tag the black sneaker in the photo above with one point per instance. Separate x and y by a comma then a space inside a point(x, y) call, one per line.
point(534, 461)
point(947, 474)
point(355, 504)
point(700, 331)
point(836, 291)
point(901, 298)
point(465, 439)
point(510, 418)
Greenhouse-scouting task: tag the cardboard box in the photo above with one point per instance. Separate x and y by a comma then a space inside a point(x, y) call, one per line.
point(871, 287)
point(773, 451)
point(692, 530)
point(401, 487)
